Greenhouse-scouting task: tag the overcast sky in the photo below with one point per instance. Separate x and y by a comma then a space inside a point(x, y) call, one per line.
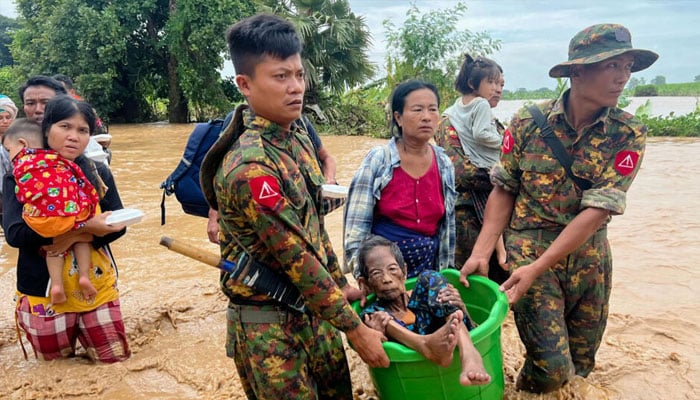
point(535, 34)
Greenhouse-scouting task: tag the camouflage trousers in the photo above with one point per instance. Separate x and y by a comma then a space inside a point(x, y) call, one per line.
point(467, 227)
point(286, 355)
point(561, 319)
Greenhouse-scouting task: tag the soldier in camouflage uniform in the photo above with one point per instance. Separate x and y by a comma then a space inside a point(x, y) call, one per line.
point(266, 186)
point(556, 232)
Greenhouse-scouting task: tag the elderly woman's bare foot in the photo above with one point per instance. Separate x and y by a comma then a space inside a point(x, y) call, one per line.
point(473, 372)
point(439, 346)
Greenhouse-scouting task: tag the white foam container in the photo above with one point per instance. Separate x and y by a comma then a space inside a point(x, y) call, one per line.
point(127, 216)
point(334, 191)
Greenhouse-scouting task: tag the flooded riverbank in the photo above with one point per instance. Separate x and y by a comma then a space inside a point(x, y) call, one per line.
point(174, 312)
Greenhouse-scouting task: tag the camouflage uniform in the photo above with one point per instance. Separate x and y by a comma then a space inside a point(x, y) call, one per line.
point(562, 317)
point(268, 191)
point(468, 177)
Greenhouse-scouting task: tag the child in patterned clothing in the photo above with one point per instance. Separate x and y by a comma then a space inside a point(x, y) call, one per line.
point(432, 320)
point(57, 197)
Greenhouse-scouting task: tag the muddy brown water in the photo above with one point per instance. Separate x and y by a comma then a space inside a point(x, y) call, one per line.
point(174, 312)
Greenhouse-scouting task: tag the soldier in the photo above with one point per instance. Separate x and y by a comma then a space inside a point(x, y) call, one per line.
point(266, 187)
point(555, 223)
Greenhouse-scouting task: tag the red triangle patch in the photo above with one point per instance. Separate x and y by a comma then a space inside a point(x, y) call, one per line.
point(265, 190)
point(507, 142)
point(626, 162)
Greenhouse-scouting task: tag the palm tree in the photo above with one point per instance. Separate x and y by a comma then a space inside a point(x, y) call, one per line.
point(335, 44)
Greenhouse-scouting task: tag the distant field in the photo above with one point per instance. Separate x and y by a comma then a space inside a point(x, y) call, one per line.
point(679, 89)
point(691, 89)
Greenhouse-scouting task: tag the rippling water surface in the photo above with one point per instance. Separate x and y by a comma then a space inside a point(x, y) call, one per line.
point(174, 312)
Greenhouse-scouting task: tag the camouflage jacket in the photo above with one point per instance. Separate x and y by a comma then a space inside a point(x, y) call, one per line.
point(268, 193)
point(608, 153)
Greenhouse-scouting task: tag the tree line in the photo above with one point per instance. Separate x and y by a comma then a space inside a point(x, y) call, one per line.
point(144, 60)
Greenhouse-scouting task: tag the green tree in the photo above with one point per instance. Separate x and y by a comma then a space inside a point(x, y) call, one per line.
point(335, 45)
point(195, 35)
point(697, 78)
point(7, 27)
point(124, 56)
point(659, 80)
point(430, 46)
point(633, 83)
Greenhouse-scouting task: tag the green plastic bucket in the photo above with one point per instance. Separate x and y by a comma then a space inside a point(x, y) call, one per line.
point(411, 376)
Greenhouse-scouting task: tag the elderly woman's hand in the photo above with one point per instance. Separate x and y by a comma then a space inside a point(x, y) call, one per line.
point(450, 295)
point(98, 225)
point(378, 320)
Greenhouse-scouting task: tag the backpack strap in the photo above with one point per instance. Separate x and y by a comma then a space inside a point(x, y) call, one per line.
point(217, 152)
point(547, 134)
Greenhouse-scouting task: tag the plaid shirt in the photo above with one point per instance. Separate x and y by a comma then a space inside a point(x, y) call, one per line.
point(373, 175)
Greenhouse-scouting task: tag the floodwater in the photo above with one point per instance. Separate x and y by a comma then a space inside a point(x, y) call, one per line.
point(660, 106)
point(175, 314)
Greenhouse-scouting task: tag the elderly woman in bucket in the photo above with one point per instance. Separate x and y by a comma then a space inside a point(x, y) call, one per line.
point(554, 217)
point(431, 320)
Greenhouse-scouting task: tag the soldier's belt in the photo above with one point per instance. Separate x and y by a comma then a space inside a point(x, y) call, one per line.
point(549, 235)
point(258, 314)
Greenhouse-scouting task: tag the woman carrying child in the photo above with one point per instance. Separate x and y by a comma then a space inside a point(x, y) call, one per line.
point(54, 329)
point(56, 197)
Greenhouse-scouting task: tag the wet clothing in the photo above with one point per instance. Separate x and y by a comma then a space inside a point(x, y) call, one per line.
point(563, 315)
point(267, 190)
point(371, 178)
point(100, 331)
point(562, 318)
point(469, 180)
point(430, 314)
point(283, 354)
point(33, 282)
point(56, 195)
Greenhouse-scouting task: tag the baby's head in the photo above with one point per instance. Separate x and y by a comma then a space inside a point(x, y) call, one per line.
point(22, 133)
point(382, 270)
point(473, 72)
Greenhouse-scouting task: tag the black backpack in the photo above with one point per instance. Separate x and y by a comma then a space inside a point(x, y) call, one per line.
point(184, 180)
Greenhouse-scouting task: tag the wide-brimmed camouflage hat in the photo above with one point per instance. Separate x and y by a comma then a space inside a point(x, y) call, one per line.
point(600, 42)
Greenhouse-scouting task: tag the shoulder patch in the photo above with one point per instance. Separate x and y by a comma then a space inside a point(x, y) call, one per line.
point(265, 191)
point(507, 146)
point(626, 162)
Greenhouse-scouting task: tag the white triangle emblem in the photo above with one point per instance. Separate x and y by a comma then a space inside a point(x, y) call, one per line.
point(507, 142)
point(626, 162)
point(266, 191)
